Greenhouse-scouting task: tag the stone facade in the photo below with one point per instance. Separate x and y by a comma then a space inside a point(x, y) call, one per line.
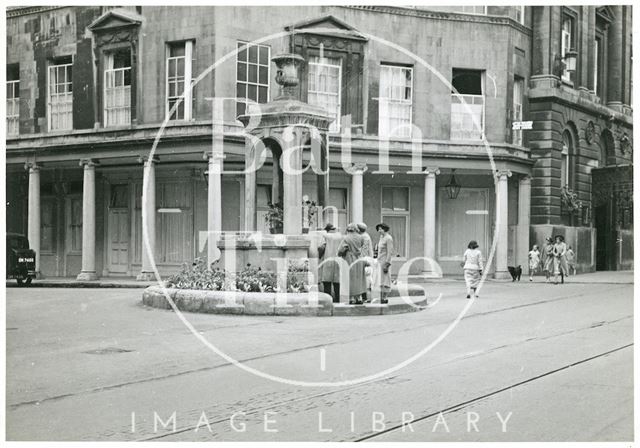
point(504, 44)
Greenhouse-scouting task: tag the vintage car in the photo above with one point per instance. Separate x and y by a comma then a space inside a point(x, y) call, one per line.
point(21, 261)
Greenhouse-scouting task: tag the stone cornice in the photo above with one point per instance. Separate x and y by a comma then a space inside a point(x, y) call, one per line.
point(135, 137)
point(575, 101)
point(442, 15)
point(26, 10)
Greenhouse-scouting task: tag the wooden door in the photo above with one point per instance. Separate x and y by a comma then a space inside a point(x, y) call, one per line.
point(118, 240)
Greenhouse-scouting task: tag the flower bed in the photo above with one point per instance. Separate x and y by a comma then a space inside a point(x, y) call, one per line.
point(250, 279)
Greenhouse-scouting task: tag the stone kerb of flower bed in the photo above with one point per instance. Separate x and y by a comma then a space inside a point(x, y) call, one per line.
point(252, 291)
point(238, 302)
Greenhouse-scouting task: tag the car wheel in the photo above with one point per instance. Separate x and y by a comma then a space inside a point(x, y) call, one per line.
point(20, 281)
point(28, 281)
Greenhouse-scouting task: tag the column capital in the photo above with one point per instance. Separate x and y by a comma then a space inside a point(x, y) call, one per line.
point(503, 174)
point(358, 168)
point(88, 163)
point(32, 166)
point(147, 159)
point(432, 171)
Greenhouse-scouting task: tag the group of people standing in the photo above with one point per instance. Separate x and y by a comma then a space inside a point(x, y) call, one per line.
point(557, 259)
point(368, 265)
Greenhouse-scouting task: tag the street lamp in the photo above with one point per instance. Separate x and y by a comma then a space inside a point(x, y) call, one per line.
point(453, 187)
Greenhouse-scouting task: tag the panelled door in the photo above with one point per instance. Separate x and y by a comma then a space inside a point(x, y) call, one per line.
point(118, 240)
point(118, 229)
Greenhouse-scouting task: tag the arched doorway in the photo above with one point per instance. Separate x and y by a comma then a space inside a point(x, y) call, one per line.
point(603, 205)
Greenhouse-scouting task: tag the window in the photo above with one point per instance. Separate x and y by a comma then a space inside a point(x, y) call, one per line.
point(60, 96)
point(566, 43)
point(520, 14)
point(47, 220)
point(396, 89)
point(13, 99)
point(75, 224)
point(518, 91)
point(325, 86)
point(336, 211)
point(469, 9)
point(395, 213)
point(467, 105)
point(565, 165)
point(597, 71)
point(179, 68)
point(117, 88)
point(252, 75)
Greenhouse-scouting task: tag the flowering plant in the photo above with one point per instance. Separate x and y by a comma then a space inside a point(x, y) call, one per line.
point(570, 201)
point(249, 279)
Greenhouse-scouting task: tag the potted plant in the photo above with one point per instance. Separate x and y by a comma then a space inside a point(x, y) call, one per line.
point(275, 218)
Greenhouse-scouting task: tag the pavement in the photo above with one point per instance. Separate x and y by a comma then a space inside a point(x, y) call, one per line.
point(555, 362)
point(612, 277)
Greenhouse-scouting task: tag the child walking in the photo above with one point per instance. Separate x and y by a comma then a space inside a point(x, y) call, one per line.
point(534, 261)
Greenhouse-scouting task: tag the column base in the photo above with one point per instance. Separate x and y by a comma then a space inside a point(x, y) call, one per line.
point(502, 275)
point(39, 276)
point(87, 276)
point(146, 276)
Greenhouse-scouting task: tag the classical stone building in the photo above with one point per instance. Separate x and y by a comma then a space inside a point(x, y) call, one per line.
point(430, 96)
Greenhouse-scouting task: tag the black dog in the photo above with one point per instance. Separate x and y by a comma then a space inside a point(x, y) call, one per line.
point(515, 272)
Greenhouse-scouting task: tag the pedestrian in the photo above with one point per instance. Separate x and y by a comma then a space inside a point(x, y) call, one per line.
point(534, 261)
point(351, 251)
point(548, 258)
point(367, 254)
point(385, 253)
point(473, 266)
point(328, 267)
point(560, 259)
point(571, 261)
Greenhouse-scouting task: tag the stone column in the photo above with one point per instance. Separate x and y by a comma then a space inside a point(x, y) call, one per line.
point(33, 222)
point(502, 224)
point(148, 217)
point(614, 63)
point(214, 202)
point(357, 194)
point(292, 180)
point(524, 214)
point(88, 271)
point(250, 186)
point(430, 221)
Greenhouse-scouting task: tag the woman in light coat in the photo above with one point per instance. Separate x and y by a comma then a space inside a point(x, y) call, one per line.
point(473, 266)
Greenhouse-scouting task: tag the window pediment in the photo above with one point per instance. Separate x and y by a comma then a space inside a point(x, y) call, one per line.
point(605, 13)
point(326, 25)
point(115, 19)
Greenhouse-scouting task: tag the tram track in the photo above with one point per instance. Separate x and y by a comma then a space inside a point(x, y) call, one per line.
point(458, 406)
point(273, 406)
point(39, 402)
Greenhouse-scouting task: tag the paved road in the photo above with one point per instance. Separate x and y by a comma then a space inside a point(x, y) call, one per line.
point(528, 362)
